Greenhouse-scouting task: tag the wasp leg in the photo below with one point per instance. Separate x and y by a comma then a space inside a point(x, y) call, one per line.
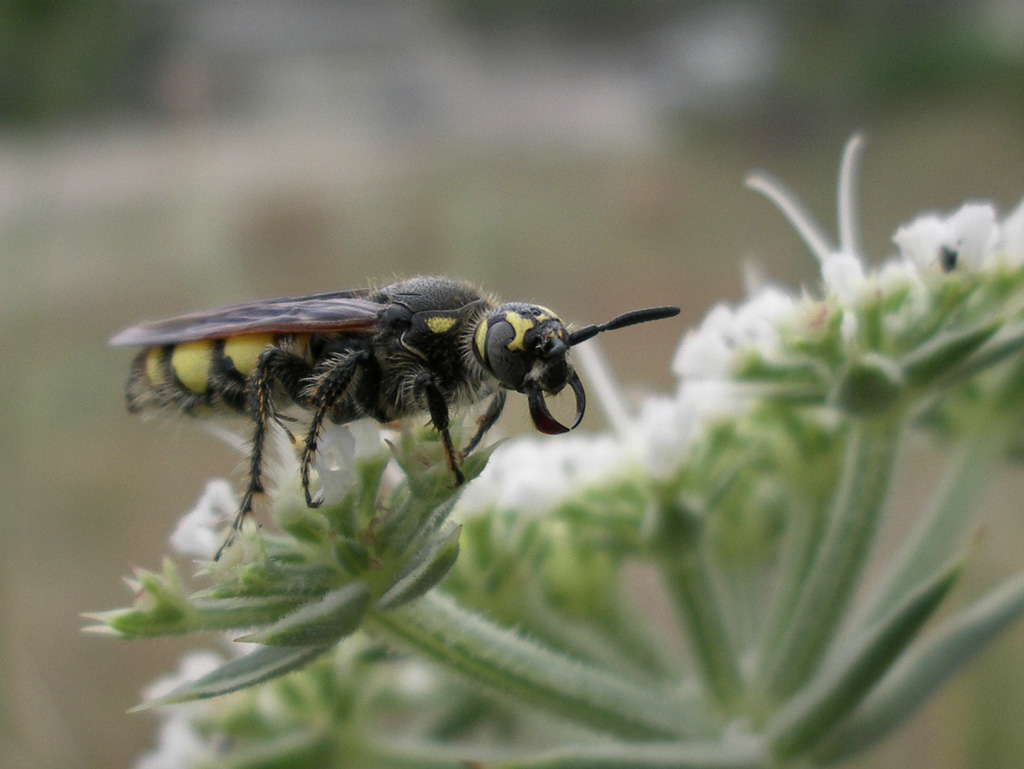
point(274, 367)
point(329, 384)
point(485, 422)
point(438, 408)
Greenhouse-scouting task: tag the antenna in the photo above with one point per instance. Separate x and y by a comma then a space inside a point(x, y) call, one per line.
point(621, 321)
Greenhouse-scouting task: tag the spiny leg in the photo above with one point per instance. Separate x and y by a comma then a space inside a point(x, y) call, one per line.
point(438, 408)
point(273, 366)
point(485, 422)
point(330, 383)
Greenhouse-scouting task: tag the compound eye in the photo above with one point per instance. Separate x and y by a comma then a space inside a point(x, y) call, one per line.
point(509, 366)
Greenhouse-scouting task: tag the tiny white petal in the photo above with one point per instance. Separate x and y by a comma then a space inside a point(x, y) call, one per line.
point(532, 476)
point(179, 744)
point(338, 449)
point(897, 274)
point(709, 352)
point(367, 436)
point(201, 531)
point(706, 352)
point(843, 275)
point(757, 319)
point(334, 460)
point(921, 240)
point(970, 235)
point(973, 231)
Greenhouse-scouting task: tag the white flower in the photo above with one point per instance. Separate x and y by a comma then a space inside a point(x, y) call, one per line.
point(709, 352)
point(338, 450)
point(967, 239)
point(179, 743)
point(534, 475)
point(664, 428)
point(201, 531)
point(178, 746)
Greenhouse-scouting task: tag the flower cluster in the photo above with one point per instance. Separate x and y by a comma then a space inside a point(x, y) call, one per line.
point(748, 501)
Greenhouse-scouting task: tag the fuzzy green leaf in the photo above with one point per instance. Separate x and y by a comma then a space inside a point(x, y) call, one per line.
point(842, 685)
point(925, 667)
point(425, 570)
point(325, 622)
point(254, 668)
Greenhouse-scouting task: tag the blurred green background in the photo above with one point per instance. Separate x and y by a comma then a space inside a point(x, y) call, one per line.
point(161, 156)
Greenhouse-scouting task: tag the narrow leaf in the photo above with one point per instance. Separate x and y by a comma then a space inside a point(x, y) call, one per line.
point(254, 668)
point(844, 683)
point(430, 568)
point(944, 351)
point(1008, 341)
point(926, 666)
point(941, 529)
point(322, 623)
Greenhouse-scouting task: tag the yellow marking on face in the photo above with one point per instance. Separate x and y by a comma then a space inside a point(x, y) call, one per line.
point(155, 365)
point(244, 351)
point(480, 339)
point(520, 325)
point(440, 324)
point(190, 362)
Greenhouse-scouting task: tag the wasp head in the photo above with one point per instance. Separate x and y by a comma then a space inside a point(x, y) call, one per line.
point(524, 346)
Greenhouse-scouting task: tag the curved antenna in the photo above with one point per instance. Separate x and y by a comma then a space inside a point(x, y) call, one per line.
point(621, 321)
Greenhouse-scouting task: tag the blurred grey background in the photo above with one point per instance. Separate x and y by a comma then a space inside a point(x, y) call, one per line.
point(163, 156)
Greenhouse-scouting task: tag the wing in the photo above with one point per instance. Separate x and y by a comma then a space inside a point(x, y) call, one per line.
point(348, 311)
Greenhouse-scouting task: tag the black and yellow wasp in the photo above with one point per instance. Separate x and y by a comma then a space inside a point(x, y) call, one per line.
point(424, 345)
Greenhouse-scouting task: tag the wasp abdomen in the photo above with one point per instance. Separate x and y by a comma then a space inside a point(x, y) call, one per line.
point(207, 374)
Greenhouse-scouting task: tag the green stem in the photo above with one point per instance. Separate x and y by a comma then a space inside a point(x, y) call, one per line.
point(691, 584)
point(802, 537)
point(499, 659)
point(853, 519)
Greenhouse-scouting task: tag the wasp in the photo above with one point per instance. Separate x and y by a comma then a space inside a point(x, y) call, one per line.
point(424, 345)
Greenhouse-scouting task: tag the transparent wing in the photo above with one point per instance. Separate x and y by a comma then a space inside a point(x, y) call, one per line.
point(348, 311)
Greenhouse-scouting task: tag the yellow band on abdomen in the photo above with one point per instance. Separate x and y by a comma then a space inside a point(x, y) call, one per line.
point(245, 351)
point(190, 362)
